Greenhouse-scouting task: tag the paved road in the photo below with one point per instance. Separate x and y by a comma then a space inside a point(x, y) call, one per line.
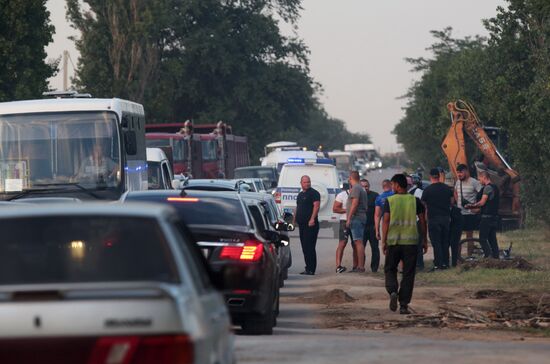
point(296, 340)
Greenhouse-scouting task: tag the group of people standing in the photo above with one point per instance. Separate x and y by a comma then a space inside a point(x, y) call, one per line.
point(402, 217)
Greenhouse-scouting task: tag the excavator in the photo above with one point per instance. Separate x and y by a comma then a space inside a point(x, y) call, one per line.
point(465, 119)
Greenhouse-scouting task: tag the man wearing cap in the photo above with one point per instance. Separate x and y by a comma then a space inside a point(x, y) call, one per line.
point(465, 192)
point(438, 198)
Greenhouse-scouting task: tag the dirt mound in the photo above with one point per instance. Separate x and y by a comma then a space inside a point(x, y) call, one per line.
point(515, 263)
point(335, 296)
point(488, 293)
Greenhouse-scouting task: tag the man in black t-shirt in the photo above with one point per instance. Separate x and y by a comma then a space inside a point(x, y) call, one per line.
point(307, 208)
point(438, 197)
point(489, 201)
point(370, 232)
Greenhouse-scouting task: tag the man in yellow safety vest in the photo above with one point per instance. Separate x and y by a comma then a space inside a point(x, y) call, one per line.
point(399, 241)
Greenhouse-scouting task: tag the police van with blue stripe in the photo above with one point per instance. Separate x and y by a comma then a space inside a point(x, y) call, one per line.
point(324, 179)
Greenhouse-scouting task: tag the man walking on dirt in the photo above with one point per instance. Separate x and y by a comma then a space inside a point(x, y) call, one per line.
point(307, 208)
point(488, 201)
point(465, 192)
point(356, 210)
point(399, 242)
point(438, 197)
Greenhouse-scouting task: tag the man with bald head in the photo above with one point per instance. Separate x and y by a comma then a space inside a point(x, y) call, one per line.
point(307, 208)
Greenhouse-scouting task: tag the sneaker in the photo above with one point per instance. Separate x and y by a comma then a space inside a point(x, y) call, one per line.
point(393, 301)
point(307, 273)
point(434, 269)
point(404, 310)
point(340, 269)
point(353, 270)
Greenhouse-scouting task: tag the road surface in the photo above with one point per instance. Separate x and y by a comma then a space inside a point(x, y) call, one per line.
point(298, 338)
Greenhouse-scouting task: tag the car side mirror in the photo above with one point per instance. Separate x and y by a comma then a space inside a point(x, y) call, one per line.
point(130, 142)
point(290, 227)
point(273, 184)
point(288, 217)
point(272, 236)
point(284, 243)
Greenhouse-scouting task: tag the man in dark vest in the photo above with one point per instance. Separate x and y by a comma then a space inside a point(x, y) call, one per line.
point(307, 208)
point(400, 240)
point(488, 200)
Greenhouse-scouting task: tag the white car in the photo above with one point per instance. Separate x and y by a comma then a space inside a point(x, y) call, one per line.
point(324, 179)
point(104, 283)
point(159, 170)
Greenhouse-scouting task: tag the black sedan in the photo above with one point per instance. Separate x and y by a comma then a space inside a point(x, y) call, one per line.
point(243, 259)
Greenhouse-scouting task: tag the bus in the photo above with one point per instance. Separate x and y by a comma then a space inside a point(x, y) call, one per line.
point(71, 146)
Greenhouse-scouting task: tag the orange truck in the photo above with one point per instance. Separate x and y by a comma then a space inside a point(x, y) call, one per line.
point(465, 119)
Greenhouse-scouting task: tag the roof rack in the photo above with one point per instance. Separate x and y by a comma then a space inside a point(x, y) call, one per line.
point(66, 95)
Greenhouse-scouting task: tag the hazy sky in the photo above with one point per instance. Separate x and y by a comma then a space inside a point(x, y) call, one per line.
point(357, 52)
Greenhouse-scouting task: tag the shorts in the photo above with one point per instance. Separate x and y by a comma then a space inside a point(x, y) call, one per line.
point(357, 228)
point(470, 222)
point(343, 234)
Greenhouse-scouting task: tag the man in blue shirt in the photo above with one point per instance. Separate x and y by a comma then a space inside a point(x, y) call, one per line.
point(379, 205)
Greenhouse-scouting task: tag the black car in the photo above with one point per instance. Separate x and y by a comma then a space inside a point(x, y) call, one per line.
point(243, 259)
point(271, 216)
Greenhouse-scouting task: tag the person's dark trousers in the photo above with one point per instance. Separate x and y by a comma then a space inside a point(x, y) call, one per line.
point(455, 233)
point(420, 255)
point(308, 239)
point(488, 236)
point(395, 254)
point(438, 228)
point(370, 236)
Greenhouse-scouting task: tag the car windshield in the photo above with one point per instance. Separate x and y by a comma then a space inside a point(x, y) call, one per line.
point(154, 175)
point(38, 150)
point(200, 210)
point(266, 174)
point(70, 249)
point(179, 146)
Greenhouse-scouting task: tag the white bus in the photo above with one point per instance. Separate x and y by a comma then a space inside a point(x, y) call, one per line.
point(73, 147)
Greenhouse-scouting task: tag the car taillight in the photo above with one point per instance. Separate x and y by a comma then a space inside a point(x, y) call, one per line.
point(174, 349)
point(251, 251)
point(277, 197)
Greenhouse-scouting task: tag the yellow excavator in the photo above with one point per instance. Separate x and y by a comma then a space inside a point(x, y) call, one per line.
point(464, 118)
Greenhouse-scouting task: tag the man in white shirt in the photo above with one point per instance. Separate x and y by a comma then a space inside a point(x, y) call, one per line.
point(465, 192)
point(339, 207)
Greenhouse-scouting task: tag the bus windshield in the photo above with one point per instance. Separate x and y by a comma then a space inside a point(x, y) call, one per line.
point(47, 149)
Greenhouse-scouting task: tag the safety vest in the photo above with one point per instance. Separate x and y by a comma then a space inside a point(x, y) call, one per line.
point(403, 230)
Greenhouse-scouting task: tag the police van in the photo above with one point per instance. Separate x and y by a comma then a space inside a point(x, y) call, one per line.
point(324, 179)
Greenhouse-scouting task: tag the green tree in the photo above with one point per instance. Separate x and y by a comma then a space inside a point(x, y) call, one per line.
point(25, 31)
point(518, 92)
point(456, 71)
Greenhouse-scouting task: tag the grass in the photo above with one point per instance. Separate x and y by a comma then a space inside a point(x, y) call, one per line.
point(531, 244)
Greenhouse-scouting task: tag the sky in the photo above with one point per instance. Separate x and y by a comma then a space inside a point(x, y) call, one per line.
point(357, 52)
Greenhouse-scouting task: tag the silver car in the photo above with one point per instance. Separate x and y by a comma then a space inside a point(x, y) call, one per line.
point(98, 283)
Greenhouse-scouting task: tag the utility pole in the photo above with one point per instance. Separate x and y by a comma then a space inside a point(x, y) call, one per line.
point(65, 70)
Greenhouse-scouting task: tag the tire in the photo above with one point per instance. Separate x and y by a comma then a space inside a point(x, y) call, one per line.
point(260, 324)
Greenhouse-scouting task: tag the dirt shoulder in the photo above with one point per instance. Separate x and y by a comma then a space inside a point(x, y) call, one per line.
point(477, 301)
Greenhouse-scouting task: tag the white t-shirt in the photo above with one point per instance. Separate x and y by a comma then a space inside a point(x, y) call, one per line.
point(470, 188)
point(343, 198)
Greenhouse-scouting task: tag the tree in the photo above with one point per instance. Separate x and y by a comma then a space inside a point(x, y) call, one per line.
point(519, 94)
point(456, 71)
point(25, 31)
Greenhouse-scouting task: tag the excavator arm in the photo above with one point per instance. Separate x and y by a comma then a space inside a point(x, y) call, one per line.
point(464, 117)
